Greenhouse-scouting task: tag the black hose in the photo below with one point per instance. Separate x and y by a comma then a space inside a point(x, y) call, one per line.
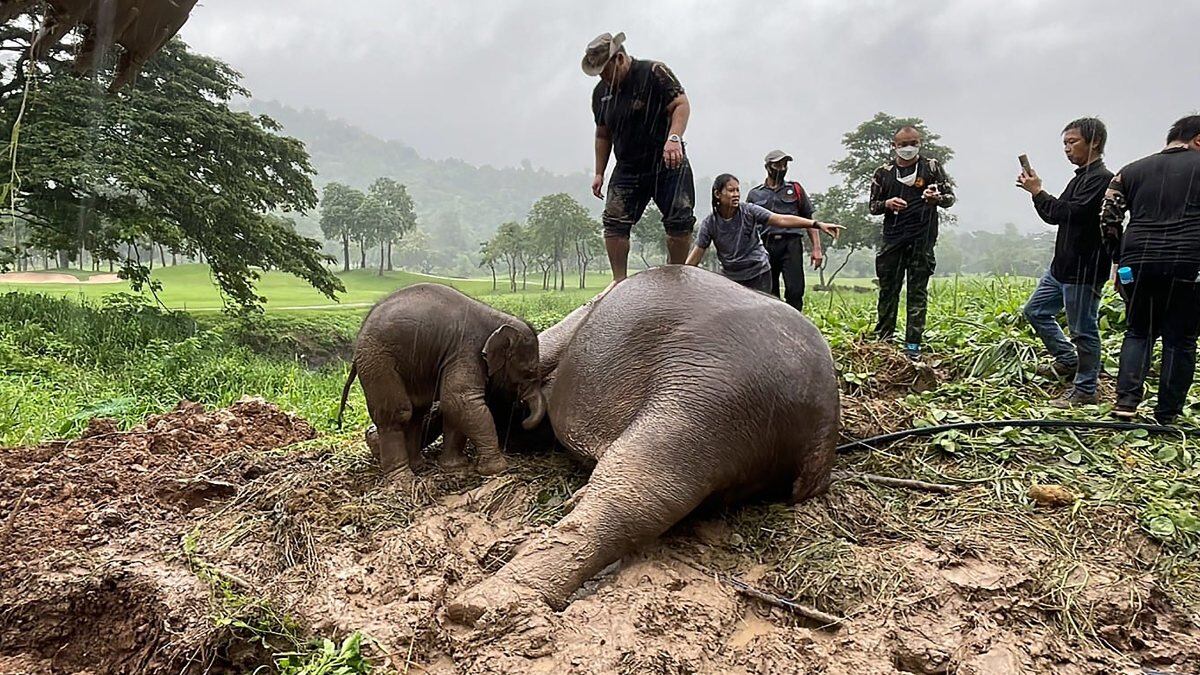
point(991, 424)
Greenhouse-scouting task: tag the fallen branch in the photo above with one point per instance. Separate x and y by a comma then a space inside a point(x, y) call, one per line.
point(905, 483)
point(825, 619)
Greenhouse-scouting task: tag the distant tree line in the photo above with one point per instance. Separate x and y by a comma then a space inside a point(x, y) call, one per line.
point(382, 216)
point(558, 236)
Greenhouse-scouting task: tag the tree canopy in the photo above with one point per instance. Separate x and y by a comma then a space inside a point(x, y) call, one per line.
point(166, 161)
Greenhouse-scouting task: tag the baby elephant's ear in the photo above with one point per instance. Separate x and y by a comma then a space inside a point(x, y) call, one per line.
point(499, 348)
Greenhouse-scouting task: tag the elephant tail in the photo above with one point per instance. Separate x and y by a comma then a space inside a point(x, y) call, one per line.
point(346, 393)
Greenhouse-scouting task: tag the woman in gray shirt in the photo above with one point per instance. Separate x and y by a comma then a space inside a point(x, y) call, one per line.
point(736, 229)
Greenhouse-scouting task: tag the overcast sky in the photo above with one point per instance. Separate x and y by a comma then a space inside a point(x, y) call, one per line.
point(498, 82)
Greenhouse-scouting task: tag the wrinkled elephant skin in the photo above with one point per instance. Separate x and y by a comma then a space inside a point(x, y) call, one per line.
point(428, 344)
point(685, 389)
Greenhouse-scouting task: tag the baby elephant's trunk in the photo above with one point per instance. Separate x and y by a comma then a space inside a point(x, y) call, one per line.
point(537, 408)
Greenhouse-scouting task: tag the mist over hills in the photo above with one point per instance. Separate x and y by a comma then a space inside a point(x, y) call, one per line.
point(458, 204)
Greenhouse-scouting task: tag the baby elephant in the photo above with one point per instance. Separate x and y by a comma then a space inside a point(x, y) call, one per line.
point(428, 343)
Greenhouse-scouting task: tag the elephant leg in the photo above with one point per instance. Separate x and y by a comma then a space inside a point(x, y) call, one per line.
point(414, 443)
point(453, 443)
point(466, 411)
point(389, 406)
point(627, 502)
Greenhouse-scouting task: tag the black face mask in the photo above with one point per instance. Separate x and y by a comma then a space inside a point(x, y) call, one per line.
point(776, 174)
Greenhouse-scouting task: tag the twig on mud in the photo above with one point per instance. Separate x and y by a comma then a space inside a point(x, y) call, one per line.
point(11, 520)
point(906, 483)
point(826, 620)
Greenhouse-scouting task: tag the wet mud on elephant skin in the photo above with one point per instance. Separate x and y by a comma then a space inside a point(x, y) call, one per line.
point(686, 390)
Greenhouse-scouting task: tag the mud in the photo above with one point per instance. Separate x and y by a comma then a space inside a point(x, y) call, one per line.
point(194, 543)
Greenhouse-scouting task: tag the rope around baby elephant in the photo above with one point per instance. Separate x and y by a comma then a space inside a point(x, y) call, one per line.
point(874, 441)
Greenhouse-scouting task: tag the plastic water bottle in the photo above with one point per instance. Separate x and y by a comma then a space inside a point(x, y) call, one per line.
point(1125, 275)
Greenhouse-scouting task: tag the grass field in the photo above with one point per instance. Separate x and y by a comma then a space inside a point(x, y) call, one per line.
point(191, 288)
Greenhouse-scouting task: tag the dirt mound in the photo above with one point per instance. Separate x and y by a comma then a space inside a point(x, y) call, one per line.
point(182, 545)
point(874, 376)
point(90, 551)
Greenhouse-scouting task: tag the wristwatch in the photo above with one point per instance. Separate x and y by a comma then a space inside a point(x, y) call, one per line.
point(674, 138)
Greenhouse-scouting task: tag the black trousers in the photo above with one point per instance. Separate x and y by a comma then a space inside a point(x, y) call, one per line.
point(914, 260)
point(1166, 306)
point(631, 189)
point(787, 259)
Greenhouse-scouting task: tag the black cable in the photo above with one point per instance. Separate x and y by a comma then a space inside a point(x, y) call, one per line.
point(989, 424)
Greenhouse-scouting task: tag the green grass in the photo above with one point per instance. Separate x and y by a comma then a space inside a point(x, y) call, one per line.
point(191, 288)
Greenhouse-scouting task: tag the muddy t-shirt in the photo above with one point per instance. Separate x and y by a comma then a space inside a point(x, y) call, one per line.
point(738, 241)
point(636, 112)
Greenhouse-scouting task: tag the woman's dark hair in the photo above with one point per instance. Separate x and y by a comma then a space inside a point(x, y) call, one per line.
point(1184, 129)
point(1092, 130)
point(718, 185)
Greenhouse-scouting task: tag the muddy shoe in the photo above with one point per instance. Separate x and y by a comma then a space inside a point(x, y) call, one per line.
point(1055, 371)
point(1073, 398)
point(912, 350)
point(1124, 412)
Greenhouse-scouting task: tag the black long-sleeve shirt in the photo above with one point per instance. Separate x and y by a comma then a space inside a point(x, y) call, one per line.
point(1162, 195)
point(919, 220)
point(1079, 254)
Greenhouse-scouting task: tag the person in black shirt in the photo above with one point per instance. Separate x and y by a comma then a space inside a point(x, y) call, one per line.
point(1161, 248)
point(785, 246)
point(1075, 280)
point(907, 193)
point(641, 112)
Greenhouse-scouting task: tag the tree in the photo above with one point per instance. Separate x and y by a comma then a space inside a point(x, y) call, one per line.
point(510, 243)
point(840, 205)
point(167, 161)
point(339, 203)
point(488, 256)
point(370, 225)
point(398, 217)
point(553, 221)
point(414, 251)
point(648, 236)
point(868, 147)
point(588, 244)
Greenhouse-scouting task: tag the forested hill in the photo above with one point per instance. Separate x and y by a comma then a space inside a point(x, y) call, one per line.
point(458, 204)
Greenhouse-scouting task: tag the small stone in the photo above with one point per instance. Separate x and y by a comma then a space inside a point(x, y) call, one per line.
point(1051, 496)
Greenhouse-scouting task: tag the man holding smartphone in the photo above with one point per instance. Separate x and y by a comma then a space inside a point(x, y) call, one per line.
point(907, 192)
point(1081, 264)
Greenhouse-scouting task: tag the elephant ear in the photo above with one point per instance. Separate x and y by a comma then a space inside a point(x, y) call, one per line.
point(499, 348)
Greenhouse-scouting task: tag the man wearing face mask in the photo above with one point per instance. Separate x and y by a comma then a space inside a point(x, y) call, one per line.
point(907, 192)
point(785, 246)
point(641, 113)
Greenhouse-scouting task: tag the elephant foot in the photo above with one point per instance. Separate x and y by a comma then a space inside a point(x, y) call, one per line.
point(497, 598)
point(455, 462)
point(491, 465)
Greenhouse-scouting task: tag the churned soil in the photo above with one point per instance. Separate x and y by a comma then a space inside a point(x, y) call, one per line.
point(206, 540)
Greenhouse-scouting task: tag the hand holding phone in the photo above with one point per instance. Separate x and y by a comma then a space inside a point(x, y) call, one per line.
point(1024, 160)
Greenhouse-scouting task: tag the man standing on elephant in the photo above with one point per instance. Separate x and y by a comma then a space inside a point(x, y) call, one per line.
point(786, 246)
point(907, 193)
point(641, 112)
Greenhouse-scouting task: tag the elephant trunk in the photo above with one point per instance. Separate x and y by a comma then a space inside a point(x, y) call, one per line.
point(537, 408)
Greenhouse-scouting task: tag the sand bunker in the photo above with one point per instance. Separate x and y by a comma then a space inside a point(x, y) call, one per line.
point(55, 278)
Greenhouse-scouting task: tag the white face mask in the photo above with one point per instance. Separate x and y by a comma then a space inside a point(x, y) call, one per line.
point(907, 152)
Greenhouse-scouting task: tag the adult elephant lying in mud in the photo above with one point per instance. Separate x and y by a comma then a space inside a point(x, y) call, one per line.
point(685, 389)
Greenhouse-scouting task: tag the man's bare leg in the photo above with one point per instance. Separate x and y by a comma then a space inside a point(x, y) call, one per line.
point(678, 246)
point(618, 256)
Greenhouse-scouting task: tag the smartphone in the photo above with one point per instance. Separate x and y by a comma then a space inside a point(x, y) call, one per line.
point(1024, 160)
